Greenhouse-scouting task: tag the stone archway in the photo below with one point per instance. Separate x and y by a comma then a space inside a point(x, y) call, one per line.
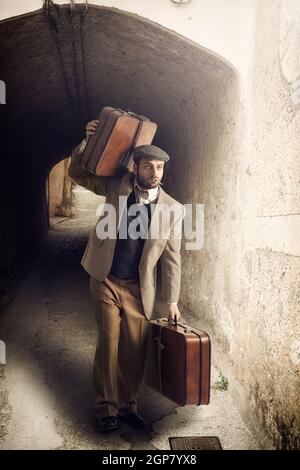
point(129, 62)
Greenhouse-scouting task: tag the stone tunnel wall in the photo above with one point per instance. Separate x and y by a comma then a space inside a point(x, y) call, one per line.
point(244, 286)
point(269, 300)
point(223, 139)
point(59, 190)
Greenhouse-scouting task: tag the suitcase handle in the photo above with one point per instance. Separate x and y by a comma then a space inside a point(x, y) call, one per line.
point(172, 322)
point(168, 322)
point(187, 328)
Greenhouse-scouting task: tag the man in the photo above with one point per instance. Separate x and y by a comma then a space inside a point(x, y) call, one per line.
point(123, 277)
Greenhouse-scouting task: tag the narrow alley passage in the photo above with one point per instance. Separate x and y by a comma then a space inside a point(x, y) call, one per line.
point(47, 391)
point(221, 81)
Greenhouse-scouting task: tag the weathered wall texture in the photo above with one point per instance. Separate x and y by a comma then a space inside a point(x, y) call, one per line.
point(246, 281)
point(270, 296)
point(59, 190)
point(234, 149)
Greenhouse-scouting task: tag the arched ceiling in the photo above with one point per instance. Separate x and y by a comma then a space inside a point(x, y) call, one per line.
point(59, 76)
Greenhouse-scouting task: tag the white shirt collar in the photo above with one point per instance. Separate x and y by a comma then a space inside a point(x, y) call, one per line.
point(148, 195)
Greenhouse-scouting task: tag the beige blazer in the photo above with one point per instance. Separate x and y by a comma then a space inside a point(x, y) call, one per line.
point(162, 252)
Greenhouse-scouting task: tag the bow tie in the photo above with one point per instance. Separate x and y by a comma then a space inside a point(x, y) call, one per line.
point(140, 194)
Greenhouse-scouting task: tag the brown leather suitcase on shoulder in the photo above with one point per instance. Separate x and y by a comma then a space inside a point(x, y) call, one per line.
point(109, 151)
point(178, 362)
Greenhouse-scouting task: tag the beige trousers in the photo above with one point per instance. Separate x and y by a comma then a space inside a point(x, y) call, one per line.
point(121, 349)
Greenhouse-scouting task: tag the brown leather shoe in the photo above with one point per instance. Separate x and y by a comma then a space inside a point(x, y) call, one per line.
point(132, 419)
point(108, 423)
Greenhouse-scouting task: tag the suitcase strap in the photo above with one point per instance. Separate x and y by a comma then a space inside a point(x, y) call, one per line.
point(141, 119)
point(127, 155)
point(160, 347)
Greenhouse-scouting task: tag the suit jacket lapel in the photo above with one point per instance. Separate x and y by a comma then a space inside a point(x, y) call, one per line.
point(125, 189)
point(162, 199)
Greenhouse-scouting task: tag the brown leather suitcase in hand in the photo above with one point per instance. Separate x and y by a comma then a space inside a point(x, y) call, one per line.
point(178, 362)
point(109, 151)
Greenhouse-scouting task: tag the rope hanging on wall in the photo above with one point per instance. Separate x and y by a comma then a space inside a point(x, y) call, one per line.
point(76, 89)
point(83, 14)
point(80, 56)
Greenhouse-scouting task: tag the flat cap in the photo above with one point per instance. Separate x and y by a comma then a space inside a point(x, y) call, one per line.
point(149, 151)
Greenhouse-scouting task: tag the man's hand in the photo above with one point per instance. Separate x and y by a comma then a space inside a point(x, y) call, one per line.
point(91, 127)
point(173, 312)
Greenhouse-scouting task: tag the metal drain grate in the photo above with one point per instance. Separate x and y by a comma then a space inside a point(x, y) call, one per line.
point(195, 443)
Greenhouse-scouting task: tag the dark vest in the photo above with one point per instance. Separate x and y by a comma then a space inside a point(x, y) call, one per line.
point(128, 251)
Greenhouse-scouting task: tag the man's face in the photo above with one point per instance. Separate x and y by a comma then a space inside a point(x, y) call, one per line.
point(149, 172)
